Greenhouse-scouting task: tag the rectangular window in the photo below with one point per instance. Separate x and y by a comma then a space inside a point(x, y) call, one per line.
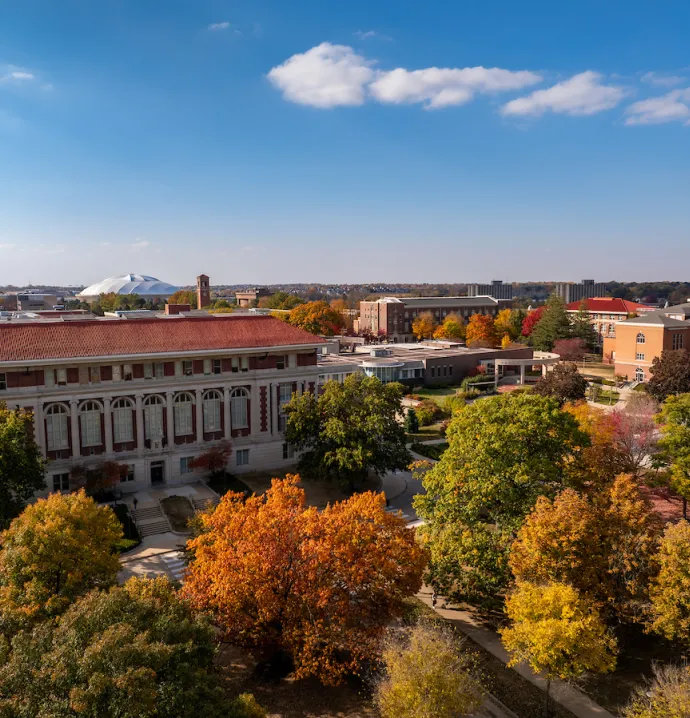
point(3, 382)
point(95, 374)
point(211, 412)
point(183, 419)
point(244, 363)
point(90, 428)
point(285, 394)
point(159, 369)
point(292, 361)
point(49, 378)
point(639, 356)
point(129, 476)
point(433, 372)
point(217, 366)
point(242, 457)
point(57, 436)
point(677, 341)
point(61, 377)
point(117, 372)
point(288, 451)
point(127, 372)
point(188, 368)
point(280, 362)
point(153, 422)
point(60, 483)
point(207, 366)
point(185, 468)
point(238, 407)
point(235, 363)
point(450, 370)
point(148, 370)
point(123, 431)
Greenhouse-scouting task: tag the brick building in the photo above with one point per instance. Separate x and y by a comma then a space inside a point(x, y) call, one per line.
point(606, 311)
point(638, 341)
point(154, 393)
point(393, 316)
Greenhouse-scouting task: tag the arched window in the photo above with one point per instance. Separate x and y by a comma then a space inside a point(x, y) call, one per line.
point(90, 421)
point(153, 417)
point(182, 411)
point(211, 410)
point(239, 401)
point(640, 338)
point(57, 433)
point(639, 374)
point(123, 426)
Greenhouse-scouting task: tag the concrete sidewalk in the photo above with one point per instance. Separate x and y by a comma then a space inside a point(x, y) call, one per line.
point(567, 695)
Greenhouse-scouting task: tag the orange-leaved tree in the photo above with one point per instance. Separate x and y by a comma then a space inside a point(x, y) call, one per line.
point(184, 296)
point(481, 331)
point(315, 588)
point(317, 318)
point(453, 327)
point(424, 325)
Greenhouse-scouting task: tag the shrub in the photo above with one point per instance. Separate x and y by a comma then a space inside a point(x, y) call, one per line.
point(428, 412)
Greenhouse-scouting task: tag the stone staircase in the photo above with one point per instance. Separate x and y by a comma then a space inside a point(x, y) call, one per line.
point(205, 503)
point(151, 520)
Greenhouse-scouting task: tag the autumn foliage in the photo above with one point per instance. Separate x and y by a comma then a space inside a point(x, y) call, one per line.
point(531, 321)
point(317, 318)
point(317, 587)
point(424, 325)
point(481, 331)
point(214, 460)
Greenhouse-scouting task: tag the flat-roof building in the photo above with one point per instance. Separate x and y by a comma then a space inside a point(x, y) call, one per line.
point(496, 289)
point(586, 289)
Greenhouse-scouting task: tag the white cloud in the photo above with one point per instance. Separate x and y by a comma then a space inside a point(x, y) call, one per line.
point(219, 25)
point(13, 74)
point(7, 246)
point(441, 87)
point(657, 78)
point(18, 75)
point(140, 244)
point(325, 76)
point(365, 35)
point(582, 94)
point(674, 106)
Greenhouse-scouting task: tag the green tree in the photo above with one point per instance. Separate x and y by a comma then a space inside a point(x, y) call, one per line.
point(504, 452)
point(554, 324)
point(21, 464)
point(56, 550)
point(670, 590)
point(675, 443)
point(670, 374)
point(411, 422)
point(349, 430)
point(132, 652)
point(668, 695)
point(184, 296)
point(517, 319)
point(564, 383)
point(426, 676)
point(557, 633)
point(582, 328)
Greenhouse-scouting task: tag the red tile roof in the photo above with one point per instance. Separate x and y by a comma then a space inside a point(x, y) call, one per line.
point(611, 304)
point(75, 339)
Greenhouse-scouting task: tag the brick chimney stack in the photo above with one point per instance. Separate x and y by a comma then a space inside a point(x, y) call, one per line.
point(203, 291)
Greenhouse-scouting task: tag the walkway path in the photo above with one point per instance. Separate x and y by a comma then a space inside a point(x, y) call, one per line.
point(567, 695)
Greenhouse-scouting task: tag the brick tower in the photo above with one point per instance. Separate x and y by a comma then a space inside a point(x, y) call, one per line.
point(203, 292)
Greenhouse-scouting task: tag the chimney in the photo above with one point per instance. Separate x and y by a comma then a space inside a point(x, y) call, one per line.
point(203, 292)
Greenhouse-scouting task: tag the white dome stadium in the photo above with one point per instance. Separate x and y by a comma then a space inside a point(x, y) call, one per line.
point(129, 284)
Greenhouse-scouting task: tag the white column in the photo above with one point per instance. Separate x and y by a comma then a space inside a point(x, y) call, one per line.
point(522, 374)
point(108, 426)
point(254, 410)
point(74, 418)
point(199, 417)
point(273, 398)
point(40, 428)
point(139, 413)
point(226, 412)
point(170, 407)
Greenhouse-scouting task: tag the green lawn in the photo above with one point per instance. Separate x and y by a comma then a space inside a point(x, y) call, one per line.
point(433, 431)
point(607, 397)
point(438, 394)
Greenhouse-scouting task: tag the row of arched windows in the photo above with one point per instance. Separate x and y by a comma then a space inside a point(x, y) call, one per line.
point(122, 412)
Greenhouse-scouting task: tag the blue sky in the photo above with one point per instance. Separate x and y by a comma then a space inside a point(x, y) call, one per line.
point(330, 141)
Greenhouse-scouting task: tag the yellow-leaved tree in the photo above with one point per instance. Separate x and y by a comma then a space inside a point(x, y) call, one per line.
point(426, 676)
point(424, 325)
point(557, 632)
point(668, 695)
point(55, 551)
point(670, 590)
point(453, 327)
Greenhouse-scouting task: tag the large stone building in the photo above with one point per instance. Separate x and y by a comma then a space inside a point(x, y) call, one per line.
point(392, 317)
point(638, 341)
point(496, 289)
point(586, 289)
point(154, 393)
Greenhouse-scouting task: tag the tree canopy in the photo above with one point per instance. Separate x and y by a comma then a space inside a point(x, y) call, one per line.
point(56, 550)
point(582, 328)
point(553, 324)
point(317, 318)
point(668, 695)
point(481, 331)
point(531, 320)
point(670, 374)
point(136, 651)
point(675, 442)
point(316, 586)
point(564, 383)
point(453, 327)
point(21, 464)
point(424, 325)
point(351, 428)
point(504, 452)
point(184, 296)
